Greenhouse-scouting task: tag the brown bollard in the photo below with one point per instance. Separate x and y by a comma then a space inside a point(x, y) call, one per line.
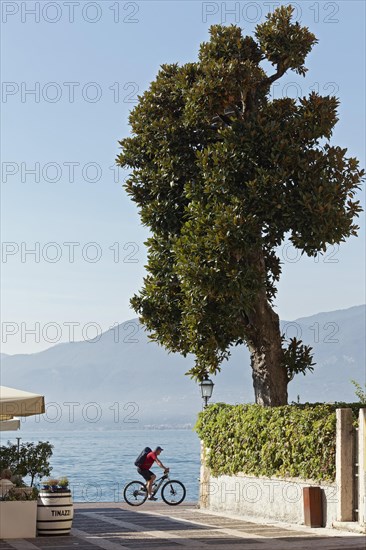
point(313, 506)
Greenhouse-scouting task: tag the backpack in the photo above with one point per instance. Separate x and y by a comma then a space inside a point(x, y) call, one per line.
point(142, 456)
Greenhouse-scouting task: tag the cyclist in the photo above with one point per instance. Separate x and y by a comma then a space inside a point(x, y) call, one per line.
point(145, 472)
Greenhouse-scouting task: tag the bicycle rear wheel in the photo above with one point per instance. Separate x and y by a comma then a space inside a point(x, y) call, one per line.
point(135, 493)
point(173, 492)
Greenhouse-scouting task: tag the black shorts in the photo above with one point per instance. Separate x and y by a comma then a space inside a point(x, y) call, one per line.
point(146, 474)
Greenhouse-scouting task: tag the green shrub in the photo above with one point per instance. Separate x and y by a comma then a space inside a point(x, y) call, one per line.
point(31, 459)
point(360, 391)
point(290, 441)
point(21, 494)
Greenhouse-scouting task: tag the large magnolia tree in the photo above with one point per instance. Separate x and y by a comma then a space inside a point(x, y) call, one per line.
point(222, 175)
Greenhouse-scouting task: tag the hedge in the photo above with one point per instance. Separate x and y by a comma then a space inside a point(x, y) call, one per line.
point(289, 441)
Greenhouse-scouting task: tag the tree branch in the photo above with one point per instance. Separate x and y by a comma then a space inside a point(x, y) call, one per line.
point(280, 72)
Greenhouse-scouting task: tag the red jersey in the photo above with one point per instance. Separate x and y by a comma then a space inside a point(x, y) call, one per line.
point(149, 461)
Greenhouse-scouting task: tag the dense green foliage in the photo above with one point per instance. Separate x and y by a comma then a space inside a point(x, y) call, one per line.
point(32, 459)
point(290, 441)
point(223, 175)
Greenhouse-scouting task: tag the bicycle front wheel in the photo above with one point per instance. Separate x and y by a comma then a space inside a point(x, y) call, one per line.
point(135, 493)
point(173, 492)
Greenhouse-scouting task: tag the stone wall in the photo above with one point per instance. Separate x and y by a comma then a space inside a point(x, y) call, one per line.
point(271, 499)
point(276, 499)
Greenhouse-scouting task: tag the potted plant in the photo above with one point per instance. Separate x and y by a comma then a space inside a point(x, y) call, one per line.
point(63, 483)
point(55, 508)
point(51, 484)
point(18, 505)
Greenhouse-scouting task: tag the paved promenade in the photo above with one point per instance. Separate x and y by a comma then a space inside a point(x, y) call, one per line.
point(157, 526)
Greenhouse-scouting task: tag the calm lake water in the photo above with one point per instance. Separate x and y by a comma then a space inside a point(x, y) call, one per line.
point(99, 464)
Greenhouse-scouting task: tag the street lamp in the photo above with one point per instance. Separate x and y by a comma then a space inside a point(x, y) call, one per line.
point(18, 447)
point(206, 389)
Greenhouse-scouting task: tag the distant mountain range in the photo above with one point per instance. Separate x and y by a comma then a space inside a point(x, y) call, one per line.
point(125, 378)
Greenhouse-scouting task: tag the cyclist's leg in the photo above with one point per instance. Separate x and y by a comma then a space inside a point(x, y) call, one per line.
point(149, 484)
point(149, 477)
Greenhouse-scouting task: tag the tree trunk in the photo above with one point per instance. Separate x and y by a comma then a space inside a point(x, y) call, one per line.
point(269, 374)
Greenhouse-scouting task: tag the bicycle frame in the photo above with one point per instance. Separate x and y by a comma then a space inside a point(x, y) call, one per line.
point(158, 483)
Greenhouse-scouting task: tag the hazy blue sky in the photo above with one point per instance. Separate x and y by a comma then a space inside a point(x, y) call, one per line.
point(86, 62)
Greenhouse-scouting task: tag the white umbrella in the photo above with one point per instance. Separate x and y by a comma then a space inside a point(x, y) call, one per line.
point(19, 403)
point(9, 425)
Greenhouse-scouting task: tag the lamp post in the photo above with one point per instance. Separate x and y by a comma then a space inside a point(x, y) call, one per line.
point(18, 448)
point(206, 389)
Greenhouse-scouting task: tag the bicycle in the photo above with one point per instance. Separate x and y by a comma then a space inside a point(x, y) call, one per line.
point(173, 491)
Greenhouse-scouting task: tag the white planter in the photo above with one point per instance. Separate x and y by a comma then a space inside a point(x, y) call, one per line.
point(55, 512)
point(18, 519)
